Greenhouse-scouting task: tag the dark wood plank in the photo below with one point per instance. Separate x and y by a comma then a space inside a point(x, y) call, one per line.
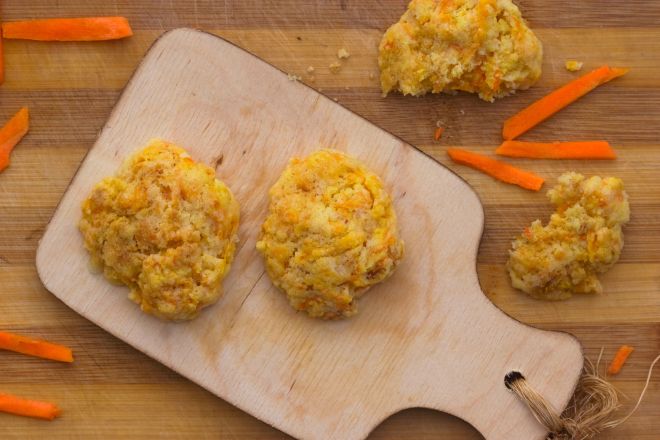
point(157, 14)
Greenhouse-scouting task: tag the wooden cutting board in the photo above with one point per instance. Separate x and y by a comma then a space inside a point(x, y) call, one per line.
point(427, 337)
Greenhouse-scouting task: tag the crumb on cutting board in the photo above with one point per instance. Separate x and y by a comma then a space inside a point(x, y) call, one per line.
point(335, 67)
point(343, 54)
point(310, 70)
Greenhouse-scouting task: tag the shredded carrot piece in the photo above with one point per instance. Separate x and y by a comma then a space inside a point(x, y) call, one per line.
point(35, 347)
point(619, 359)
point(69, 29)
point(557, 100)
point(494, 168)
point(557, 150)
point(11, 134)
point(29, 408)
point(438, 133)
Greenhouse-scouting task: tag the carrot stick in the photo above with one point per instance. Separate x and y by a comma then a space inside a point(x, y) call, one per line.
point(494, 168)
point(35, 347)
point(11, 134)
point(619, 359)
point(69, 29)
point(557, 150)
point(2, 60)
point(29, 408)
point(438, 133)
point(557, 100)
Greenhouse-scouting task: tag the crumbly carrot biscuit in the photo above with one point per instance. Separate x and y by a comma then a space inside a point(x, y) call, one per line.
point(476, 46)
point(582, 239)
point(165, 227)
point(330, 234)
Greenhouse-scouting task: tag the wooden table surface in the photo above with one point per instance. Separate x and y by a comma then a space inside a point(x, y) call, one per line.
point(113, 391)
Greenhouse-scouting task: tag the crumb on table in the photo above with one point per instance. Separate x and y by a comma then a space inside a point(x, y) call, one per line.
point(573, 65)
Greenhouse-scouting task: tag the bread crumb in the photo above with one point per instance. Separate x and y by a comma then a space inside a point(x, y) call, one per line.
point(335, 67)
point(335, 99)
point(312, 79)
point(310, 69)
point(343, 54)
point(573, 65)
point(293, 77)
point(372, 76)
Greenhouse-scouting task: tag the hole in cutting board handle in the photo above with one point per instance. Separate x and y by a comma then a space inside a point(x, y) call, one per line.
point(511, 377)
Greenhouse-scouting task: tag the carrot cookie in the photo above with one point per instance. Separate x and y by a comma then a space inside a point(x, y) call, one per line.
point(476, 46)
point(582, 239)
point(165, 227)
point(330, 234)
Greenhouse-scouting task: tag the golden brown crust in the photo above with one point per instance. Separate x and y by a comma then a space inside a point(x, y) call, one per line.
point(165, 227)
point(330, 234)
point(582, 239)
point(477, 46)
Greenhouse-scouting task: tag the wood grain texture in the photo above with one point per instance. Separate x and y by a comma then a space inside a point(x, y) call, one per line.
point(71, 89)
point(77, 65)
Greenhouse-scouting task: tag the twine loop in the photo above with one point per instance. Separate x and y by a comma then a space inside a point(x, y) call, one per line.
point(590, 411)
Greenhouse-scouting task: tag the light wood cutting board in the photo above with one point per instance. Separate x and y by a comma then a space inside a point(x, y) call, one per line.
point(427, 337)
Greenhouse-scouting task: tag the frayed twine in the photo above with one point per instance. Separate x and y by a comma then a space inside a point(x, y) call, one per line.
point(590, 411)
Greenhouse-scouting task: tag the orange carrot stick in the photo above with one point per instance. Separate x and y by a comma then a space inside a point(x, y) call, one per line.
point(438, 133)
point(557, 100)
point(29, 408)
point(494, 168)
point(35, 347)
point(11, 134)
point(2, 60)
point(557, 150)
point(69, 29)
point(619, 359)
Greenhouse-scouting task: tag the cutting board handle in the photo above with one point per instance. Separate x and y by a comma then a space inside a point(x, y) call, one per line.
point(491, 346)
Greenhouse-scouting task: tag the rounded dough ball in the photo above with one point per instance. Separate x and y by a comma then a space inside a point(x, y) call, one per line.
point(165, 227)
point(330, 234)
